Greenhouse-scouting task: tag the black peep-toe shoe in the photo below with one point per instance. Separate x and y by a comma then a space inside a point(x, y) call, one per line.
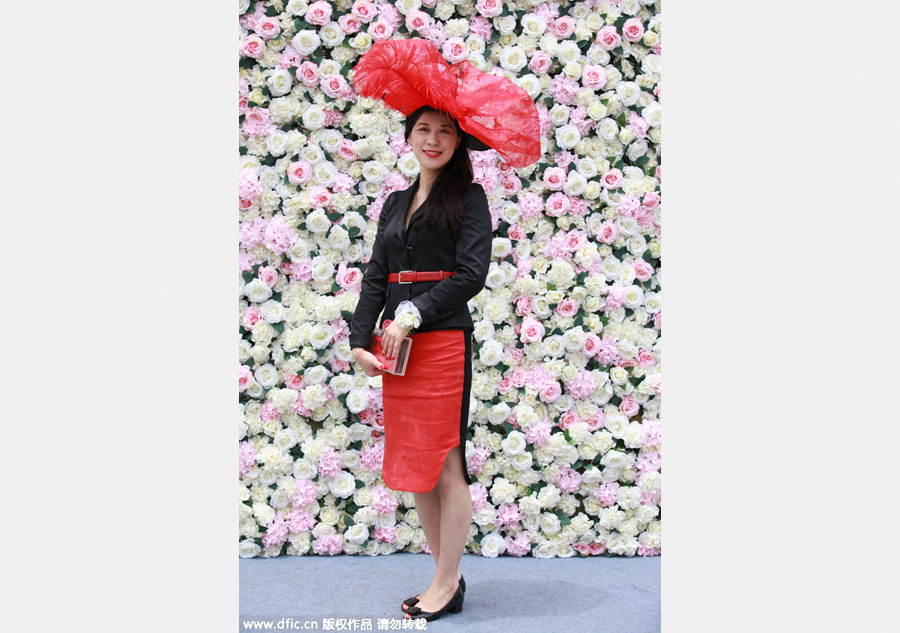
point(411, 602)
point(454, 605)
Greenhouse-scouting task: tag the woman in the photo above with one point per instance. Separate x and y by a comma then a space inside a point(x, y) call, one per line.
point(431, 255)
point(441, 224)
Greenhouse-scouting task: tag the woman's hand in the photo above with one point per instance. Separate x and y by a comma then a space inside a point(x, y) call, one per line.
point(391, 339)
point(368, 362)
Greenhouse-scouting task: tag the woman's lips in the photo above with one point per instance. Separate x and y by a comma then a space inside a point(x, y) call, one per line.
point(431, 153)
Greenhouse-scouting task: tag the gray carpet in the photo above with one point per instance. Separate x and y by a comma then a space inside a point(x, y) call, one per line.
point(504, 594)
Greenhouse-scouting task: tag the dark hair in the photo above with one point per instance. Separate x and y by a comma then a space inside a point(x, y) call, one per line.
point(445, 207)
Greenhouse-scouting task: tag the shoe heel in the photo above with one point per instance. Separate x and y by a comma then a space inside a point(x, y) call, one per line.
point(457, 608)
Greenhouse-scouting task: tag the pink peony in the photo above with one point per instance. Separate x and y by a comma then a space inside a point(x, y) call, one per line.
point(276, 532)
point(246, 457)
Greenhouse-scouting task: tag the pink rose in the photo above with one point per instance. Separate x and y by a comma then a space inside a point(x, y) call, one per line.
point(347, 150)
point(250, 318)
point(299, 172)
point(611, 178)
point(351, 278)
point(348, 23)
point(294, 381)
point(550, 392)
point(418, 21)
point(532, 331)
point(540, 63)
point(568, 419)
point(267, 28)
point(633, 30)
point(518, 378)
point(511, 184)
point(567, 308)
point(608, 232)
point(319, 13)
point(558, 204)
point(575, 240)
point(554, 178)
point(646, 358)
point(594, 77)
point(597, 548)
point(608, 38)
point(335, 86)
point(455, 50)
point(243, 102)
point(651, 200)
point(364, 10)
point(268, 275)
point(642, 270)
point(563, 27)
point(629, 406)
point(523, 305)
point(591, 344)
point(245, 377)
point(380, 30)
point(596, 421)
point(308, 73)
point(319, 197)
point(489, 8)
point(253, 47)
point(515, 232)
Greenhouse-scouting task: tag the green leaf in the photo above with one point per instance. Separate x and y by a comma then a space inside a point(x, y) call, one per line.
point(334, 217)
point(642, 160)
point(279, 327)
point(247, 275)
point(360, 484)
point(347, 521)
point(347, 315)
point(335, 287)
point(354, 231)
point(550, 286)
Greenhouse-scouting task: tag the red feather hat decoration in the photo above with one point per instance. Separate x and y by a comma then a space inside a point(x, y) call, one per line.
point(408, 74)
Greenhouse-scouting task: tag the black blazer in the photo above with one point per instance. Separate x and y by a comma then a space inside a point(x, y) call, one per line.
point(443, 305)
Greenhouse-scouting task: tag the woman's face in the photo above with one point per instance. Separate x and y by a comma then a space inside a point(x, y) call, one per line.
point(434, 139)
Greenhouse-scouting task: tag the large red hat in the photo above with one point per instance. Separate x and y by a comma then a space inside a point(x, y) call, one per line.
point(408, 74)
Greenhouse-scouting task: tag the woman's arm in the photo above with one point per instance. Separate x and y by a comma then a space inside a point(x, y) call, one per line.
point(473, 259)
point(374, 284)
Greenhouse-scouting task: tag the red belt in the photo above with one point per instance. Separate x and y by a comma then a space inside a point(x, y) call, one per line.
point(411, 276)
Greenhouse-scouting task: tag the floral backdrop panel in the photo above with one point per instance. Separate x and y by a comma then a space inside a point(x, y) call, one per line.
point(564, 438)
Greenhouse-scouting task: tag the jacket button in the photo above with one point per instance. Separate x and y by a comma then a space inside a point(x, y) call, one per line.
point(409, 248)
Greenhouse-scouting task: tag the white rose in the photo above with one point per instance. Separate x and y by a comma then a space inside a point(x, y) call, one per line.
point(491, 353)
point(513, 58)
point(567, 136)
point(280, 82)
point(499, 413)
point(357, 533)
point(332, 34)
point(248, 549)
point(343, 485)
point(550, 523)
point(357, 401)
point(257, 291)
point(266, 375)
point(568, 52)
point(305, 42)
point(492, 545)
point(530, 84)
point(314, 118)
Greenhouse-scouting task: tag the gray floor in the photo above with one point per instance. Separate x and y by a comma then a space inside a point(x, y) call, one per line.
point(520, 595)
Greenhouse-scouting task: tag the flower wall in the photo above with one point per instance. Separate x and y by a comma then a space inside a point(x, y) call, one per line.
point(564, 437)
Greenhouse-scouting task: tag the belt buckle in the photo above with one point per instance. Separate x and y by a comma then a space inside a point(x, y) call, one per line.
point(400, 277)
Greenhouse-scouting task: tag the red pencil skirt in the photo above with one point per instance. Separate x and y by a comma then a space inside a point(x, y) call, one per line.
point(426, 411)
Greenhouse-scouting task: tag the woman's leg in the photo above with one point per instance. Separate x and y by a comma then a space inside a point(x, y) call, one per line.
point(454, 514)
